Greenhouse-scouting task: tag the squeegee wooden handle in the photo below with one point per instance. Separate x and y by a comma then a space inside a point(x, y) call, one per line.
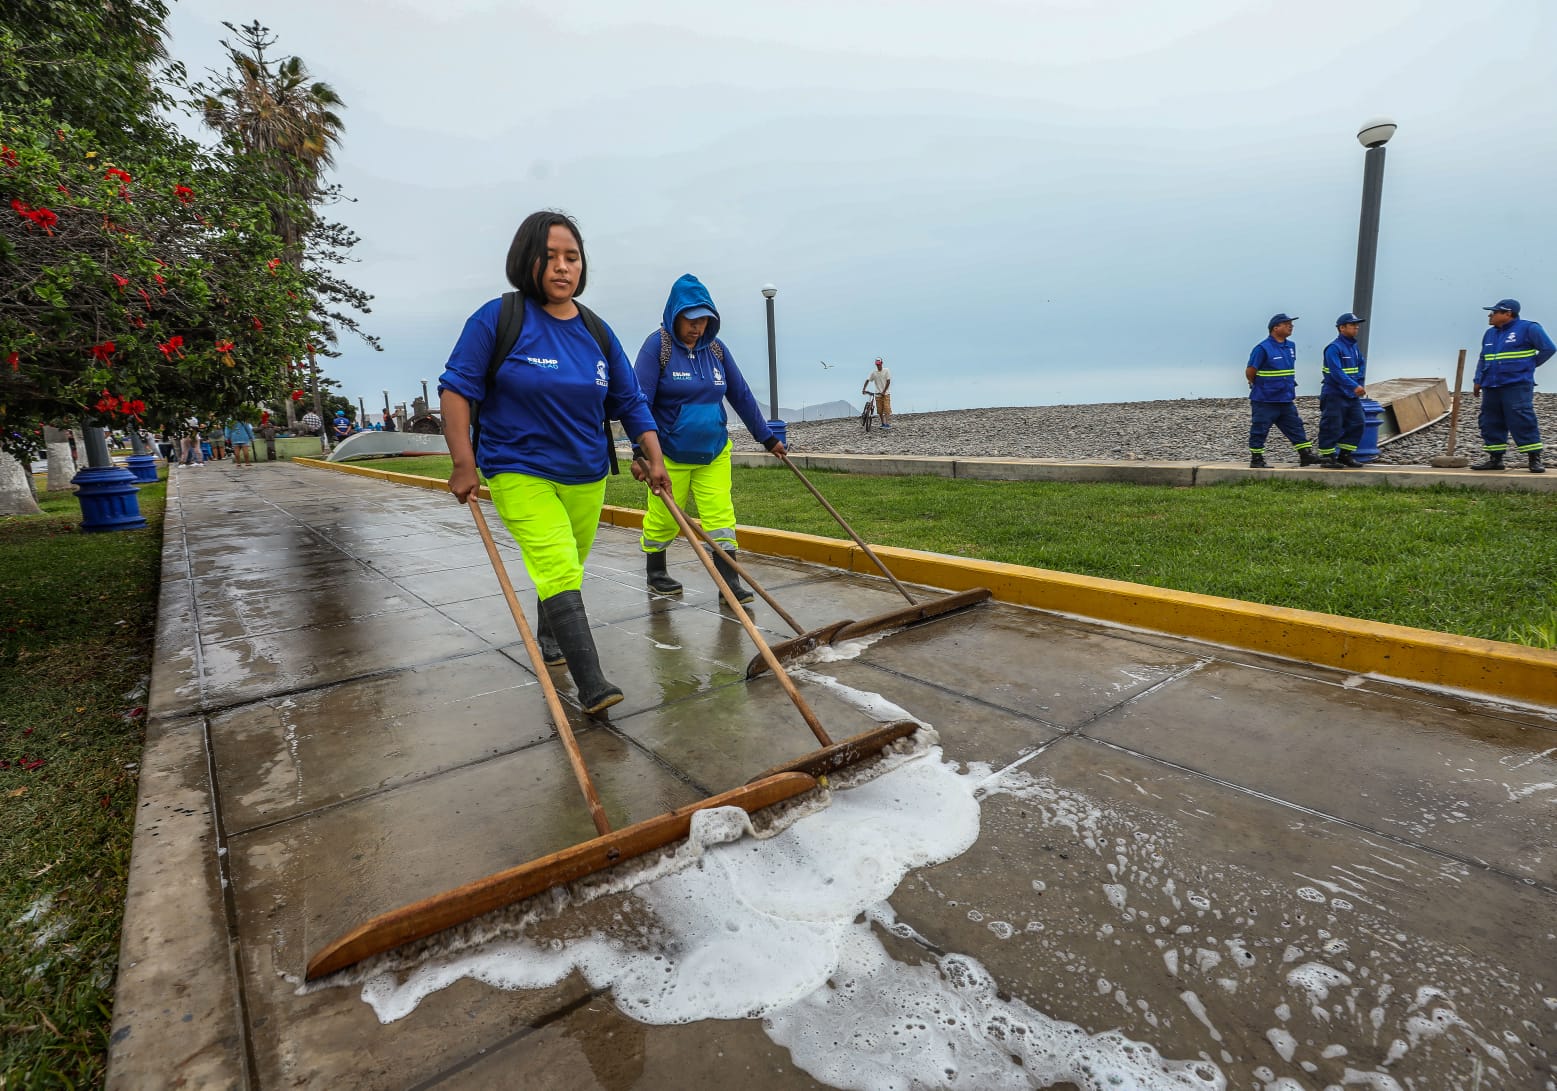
point(871, 553)
point(553, 702)
point(751, 629)
point(741, 571)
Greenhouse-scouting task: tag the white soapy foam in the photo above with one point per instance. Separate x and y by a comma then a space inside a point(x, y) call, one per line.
point(787, 929)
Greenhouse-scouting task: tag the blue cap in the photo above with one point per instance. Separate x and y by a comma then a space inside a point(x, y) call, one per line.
point(1278, 319)
point(1348, 318)
point(1509, 305)
point(698, 312)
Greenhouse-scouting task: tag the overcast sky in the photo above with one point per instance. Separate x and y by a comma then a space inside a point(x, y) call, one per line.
point(1014, 202)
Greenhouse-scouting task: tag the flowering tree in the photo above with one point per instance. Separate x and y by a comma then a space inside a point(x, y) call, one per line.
point(139, 271)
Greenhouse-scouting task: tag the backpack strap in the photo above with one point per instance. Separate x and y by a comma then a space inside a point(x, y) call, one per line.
point(510, 320)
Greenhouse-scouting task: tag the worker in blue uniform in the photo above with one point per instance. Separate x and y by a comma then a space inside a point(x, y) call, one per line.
point(1511, 350)
point(1272, 375)
point(1341, 390)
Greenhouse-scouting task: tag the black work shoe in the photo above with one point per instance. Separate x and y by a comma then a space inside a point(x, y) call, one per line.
point(659, 580)
point(551, 651)
point(571, 626)
point(743, 594)
point(1257, 462)
point(1536, 465)
point(1349, 460)
point(1306, 457)
point(1493, 461)
point(1329, 462)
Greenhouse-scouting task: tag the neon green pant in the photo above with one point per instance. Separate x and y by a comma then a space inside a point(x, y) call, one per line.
point(709, 486)
point(554, 525)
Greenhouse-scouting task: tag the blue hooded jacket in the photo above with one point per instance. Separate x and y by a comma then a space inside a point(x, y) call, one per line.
point(687, 399)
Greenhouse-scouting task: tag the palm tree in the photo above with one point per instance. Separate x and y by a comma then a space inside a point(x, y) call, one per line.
point(279, 115)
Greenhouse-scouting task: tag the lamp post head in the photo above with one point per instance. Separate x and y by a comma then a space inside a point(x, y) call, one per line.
point(769, 291)
point(1375, 132)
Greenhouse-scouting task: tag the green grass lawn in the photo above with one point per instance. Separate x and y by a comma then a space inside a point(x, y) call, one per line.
point(1457, 560)
point(77, 621)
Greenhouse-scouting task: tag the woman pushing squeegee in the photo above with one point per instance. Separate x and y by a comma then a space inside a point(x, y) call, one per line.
point(530, 379)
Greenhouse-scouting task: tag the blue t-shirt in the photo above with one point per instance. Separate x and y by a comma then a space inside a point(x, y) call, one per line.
point(553, 393)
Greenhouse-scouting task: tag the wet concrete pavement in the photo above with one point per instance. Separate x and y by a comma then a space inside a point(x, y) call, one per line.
point(1290, 872)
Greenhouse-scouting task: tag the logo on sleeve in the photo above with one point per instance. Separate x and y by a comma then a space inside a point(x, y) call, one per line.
point(602, 374)
point(718, 377)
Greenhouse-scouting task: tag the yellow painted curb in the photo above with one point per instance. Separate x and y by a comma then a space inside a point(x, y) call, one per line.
point(1492, 667)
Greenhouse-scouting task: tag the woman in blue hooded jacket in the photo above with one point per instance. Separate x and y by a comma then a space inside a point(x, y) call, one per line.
point(687, 373)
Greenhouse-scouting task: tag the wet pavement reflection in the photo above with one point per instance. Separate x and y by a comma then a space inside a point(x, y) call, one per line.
point(1283, 872)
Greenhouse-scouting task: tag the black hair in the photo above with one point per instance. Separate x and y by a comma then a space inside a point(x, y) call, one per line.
point(529, 247)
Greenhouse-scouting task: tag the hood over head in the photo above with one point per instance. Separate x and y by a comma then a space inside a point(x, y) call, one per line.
point(688, 292)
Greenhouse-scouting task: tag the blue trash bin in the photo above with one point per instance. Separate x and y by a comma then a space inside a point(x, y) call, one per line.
point(781, 430)
point(1372, 417)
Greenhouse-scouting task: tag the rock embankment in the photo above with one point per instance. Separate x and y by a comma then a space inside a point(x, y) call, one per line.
point(1197, 430)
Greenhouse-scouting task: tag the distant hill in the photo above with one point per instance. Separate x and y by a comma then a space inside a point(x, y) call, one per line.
point(825, 411)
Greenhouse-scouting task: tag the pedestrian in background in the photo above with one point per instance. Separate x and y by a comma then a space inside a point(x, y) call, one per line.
point(1341, 390)
point(267, 432)
point(542, 445)
point(881, 379)
point(389, 421)
point(686, 373)
point(240, 435)
point(1505, 381)
point(1272, 375)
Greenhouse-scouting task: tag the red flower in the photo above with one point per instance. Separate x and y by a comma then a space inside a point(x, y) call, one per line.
point(297, 395)
point(103, 352)
point(63, 190)
point(273, 264)
point(108, 403)
point(224, 346)
point(135, 408)
point(38, 217)
point(137, 321)
point(122, 282)
point(160, 282)
point(14, 359)
point(258, 325)
point(7, 156)
point(184, 194)
point(122, 175)
point(172, 345)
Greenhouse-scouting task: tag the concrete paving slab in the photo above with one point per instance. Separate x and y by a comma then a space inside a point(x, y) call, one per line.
point(249, 605)
point(287, 756)
point(251, 668)
point(1466, 785)
point(1056, 671)
point(1205, 875)
point(1112, 891)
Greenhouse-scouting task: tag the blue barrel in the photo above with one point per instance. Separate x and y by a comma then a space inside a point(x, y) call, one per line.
point(1372, 417)
point(142, 467)
point(781, 430)
point(108, 499)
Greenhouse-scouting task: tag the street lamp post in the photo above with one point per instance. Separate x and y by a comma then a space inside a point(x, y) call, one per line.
point(779, 428)
point(424, 393)
point(1373, 135)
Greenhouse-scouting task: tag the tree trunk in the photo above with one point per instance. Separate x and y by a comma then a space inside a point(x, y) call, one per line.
point(61, 466)
point(15, 488)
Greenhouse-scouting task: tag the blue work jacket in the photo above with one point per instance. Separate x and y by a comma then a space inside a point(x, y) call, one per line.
point(1275, 371)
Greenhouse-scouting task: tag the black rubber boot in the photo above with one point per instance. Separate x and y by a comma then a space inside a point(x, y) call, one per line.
point(743, 594)
point(1536, 465)
point(659, 579)
point(551, 651)
point(571, 627)
point(1329, 462)
point(1493, 461)
point(1257, 462)
point(1349, 460)
point(1306, 457)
